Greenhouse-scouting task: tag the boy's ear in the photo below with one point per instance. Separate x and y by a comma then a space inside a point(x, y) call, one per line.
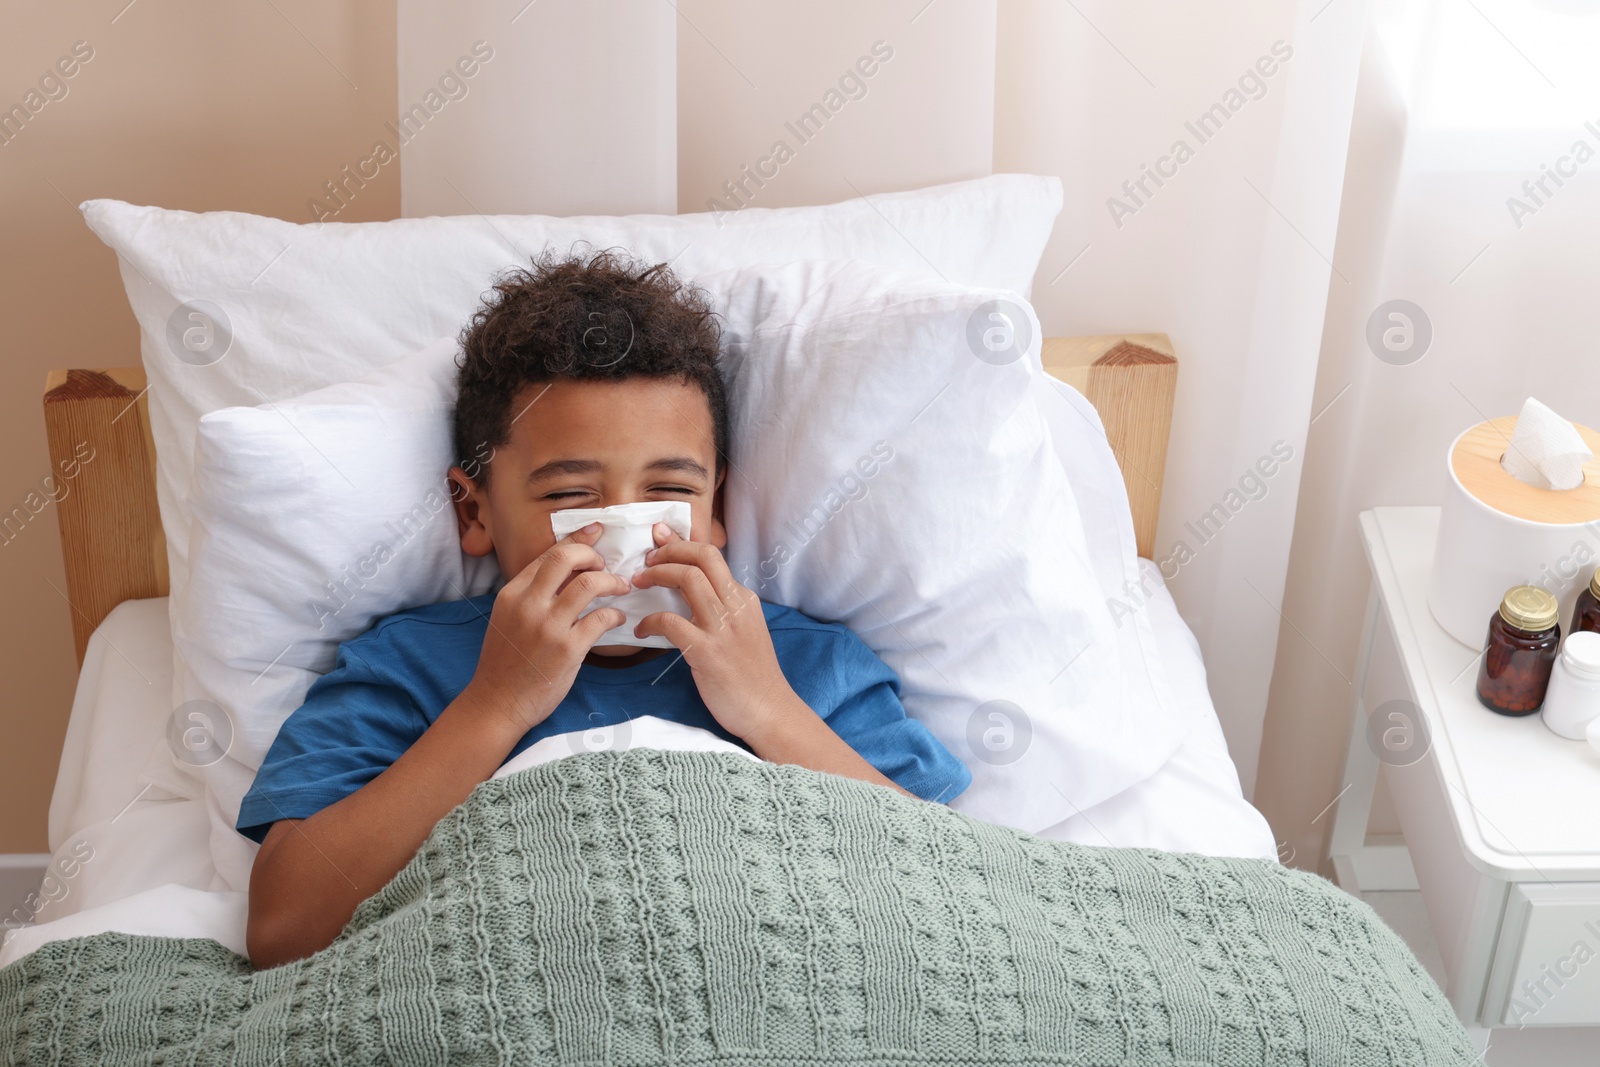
point(719, 533)
point(473, 520)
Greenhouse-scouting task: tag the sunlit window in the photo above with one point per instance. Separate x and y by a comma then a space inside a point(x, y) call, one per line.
point(1494, 84)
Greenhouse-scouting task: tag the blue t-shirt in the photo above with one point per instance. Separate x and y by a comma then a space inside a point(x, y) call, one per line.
point(389, 684)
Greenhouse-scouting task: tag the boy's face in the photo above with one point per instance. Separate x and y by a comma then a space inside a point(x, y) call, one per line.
point(591, 444)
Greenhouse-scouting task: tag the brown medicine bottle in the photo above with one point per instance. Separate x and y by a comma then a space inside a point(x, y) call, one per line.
point(1586, 615)
point(1524, 637)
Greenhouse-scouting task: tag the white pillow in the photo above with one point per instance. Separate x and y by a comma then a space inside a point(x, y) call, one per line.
point(239, 309)
point(313, 517)
point(962, 562)
point(893, 473)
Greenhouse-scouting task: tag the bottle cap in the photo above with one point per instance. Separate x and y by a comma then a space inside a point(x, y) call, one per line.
point(1581, 654)
point(1529, 608)
point(1594, 583)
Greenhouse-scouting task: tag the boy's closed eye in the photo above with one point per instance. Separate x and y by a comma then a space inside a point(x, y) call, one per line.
point(696, 481)
point(573, 494)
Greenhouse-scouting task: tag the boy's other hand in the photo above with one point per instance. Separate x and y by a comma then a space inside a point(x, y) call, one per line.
point(726, 644)
point(535, 639)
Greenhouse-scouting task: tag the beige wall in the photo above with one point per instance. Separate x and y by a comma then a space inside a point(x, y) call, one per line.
point(184, 104)
point(747, 72)
point(571, 111)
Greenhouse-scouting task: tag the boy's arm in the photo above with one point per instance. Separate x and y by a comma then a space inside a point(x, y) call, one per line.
point(729, 652)
point(310, 874)
point(797, 734)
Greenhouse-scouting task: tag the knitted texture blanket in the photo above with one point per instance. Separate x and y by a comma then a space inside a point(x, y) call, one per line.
point(655, 907)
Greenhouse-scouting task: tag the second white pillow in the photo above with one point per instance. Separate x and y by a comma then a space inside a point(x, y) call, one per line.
point(892, 471)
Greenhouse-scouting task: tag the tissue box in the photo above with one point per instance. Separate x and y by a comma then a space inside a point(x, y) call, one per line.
point(1496, 532)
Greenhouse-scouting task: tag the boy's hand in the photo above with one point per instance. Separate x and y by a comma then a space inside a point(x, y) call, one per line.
point(535, 640)
point(726, 644)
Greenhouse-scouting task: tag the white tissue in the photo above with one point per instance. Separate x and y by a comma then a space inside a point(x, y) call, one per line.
point(1546, 450)
point(623, 543)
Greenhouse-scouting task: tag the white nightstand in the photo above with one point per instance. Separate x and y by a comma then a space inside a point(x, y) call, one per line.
point(1501, 817)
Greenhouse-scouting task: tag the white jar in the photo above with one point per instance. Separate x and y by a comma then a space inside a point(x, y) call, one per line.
point(1573, 699)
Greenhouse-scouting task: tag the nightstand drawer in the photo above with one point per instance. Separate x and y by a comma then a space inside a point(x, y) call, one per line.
point(1547, 965)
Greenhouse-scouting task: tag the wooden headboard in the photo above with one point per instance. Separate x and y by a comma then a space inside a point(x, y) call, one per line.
point(115, 549)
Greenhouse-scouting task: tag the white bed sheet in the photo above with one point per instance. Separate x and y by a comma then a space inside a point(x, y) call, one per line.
point(150, 871)
point(140, 844)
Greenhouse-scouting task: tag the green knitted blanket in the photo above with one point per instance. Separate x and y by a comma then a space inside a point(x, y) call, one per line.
point(663, 907)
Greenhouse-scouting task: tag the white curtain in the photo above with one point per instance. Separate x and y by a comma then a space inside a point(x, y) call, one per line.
point(1231, 256)
point(1461, 105)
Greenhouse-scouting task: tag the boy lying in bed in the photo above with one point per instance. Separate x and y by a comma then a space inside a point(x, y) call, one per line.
point(587, 382)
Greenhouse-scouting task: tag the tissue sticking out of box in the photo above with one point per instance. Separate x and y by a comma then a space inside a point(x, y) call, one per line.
point(1546, 451)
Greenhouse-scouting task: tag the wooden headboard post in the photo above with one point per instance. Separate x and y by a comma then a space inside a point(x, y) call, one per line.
point(98, 426)
point(115, 549)
point(1132, 380)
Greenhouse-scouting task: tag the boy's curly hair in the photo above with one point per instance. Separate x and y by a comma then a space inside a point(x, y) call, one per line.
point(601, 315)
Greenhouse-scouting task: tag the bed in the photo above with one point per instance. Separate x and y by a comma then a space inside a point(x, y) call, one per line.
point(1154, 925)
point(153, 874)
